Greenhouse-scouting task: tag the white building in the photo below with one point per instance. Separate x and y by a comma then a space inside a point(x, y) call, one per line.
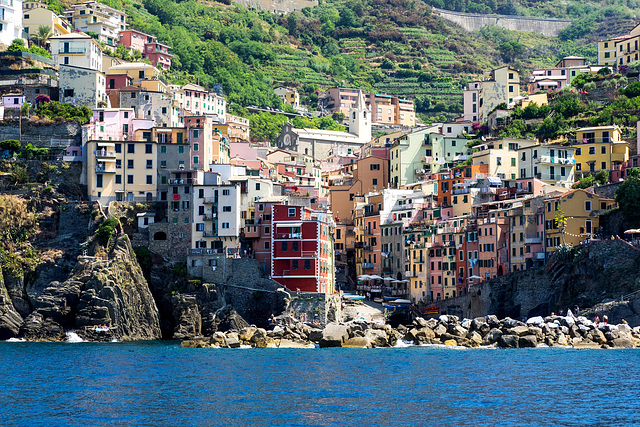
point(10, 21)
point(98, 18)
point(76, 50)
point(553, 164)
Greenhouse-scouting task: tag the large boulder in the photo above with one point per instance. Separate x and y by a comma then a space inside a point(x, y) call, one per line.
point(492, 337)
point(535, 321)
point(508, 341)
point(475, 338)
point(622, 343)
point(439, 330)
point(377, 337)
point(457, 330)
point(315, 335)
point(519, 331)
point(334, 336)
point(528, 341)
point(286, 343)
point(357, 342)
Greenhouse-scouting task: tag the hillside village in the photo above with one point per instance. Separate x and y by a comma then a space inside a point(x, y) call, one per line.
point(391, 207)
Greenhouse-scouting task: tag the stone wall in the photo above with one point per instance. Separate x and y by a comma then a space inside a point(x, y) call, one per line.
point(314, 307)
point(42, 135)
point(591, 274)
point(475, 21)
point(279, 6)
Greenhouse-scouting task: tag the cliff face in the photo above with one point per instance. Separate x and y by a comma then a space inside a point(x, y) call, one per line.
point(587, 276)
point(111, 292)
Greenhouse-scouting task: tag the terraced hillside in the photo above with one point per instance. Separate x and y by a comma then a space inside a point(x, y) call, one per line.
point(393, 46)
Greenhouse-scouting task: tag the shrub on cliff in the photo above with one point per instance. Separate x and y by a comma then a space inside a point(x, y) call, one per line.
point(58, 110)
point(628, 198)
point(106, 230)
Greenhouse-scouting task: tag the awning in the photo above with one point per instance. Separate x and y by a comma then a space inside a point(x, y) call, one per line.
point(633, 231)
point(289, 224)
point(494, 180)
point(106, 144)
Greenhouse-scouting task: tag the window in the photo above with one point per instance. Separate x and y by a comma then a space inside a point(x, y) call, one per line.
point(131, 148)
point(129, 179)
point(375, 181)
point(99, 181)
point(149, 164)
point(181, 149)
point(294, 264)
point(196, 146)
point(587, 205)
point(267, 245)
point(196, 160)
point(163, 149)
point(285, 246)
point(226, 209)
point(292, 212)
point(148, 149)
point(118, 148)
point(307, 264)
point(68, 92)
point(195, 133)
point(257, 186)
point(225, 225)
point(603, 166)
point(225, 192)
point(118, 179)
point(118, 164)
point(592, 150)
point(374, 167)
point(130, 164)
point(149, 179)
point(603, 149)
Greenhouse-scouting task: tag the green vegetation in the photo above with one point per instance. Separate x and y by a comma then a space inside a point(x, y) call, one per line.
point(628, 198)
point(106, 230)
point(59, 111)
point(11, 145)
point(17, 224)
point(266, 126)
point(600, 178)
point(18, 45)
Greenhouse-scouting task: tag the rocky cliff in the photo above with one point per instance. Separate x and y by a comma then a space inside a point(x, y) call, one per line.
point(585, 276)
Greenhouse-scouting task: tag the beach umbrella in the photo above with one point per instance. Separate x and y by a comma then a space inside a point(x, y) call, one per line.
point(375, 276)
point(474, 277)
point(364, 277)
point(388, 279)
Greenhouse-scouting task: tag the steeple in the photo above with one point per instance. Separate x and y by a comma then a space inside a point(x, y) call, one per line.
point(360, 119)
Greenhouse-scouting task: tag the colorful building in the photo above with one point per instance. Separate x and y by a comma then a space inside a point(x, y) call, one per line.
point(302, 254)
point(599, 149)
point(98, 18)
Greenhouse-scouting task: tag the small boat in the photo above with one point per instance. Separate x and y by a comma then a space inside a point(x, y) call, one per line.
point(401, 301)
point(388, 298)
point(378, 300)
point(353, 297)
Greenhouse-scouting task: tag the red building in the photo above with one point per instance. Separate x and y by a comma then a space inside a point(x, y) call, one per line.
point(302, 249)
point(158, 54)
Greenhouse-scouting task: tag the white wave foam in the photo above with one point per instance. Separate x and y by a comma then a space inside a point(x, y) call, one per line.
point(73, 337)
point(403, 344)
point(16, 340)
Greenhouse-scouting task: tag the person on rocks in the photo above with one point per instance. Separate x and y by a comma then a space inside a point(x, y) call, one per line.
point(605, 319)
point(596, 320)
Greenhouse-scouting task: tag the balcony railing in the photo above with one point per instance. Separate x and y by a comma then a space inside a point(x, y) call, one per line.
point(105, 153)
point(183, 181)
point(209, 217)
point(204, 251)
point(72, 50)
point(308, 254)
point(211, 233)
point(212, 200)
point(533, 240)
point(103, 169)
point(288, 236)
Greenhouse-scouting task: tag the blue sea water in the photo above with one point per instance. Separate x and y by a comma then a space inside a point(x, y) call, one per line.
point(159, 383)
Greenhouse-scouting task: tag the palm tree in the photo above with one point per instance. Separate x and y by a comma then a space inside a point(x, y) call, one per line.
point(43, 34)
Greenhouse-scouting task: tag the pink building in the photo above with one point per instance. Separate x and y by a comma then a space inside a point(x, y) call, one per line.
point(112, 124)
point(619, 172)
point(118, 81)
point(134, 39)
point(158, 54)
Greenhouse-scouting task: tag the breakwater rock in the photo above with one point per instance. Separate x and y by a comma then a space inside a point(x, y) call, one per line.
point(577, 332)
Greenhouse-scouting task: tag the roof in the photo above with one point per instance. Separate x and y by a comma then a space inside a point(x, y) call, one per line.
point(327, 135)
point(598, 128)
point(74, 35)
point(191, 86)
point(128, 65)
point(574, 57)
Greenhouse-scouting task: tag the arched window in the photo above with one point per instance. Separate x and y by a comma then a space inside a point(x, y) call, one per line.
point(354, 115)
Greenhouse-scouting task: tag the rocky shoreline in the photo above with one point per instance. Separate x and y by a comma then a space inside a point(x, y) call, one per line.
point(552, 331)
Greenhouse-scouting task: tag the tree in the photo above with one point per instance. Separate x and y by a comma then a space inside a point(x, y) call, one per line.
point(628, 198)
point(511, 50)
point(11, 145)
point(17, 45)
point(43, 34)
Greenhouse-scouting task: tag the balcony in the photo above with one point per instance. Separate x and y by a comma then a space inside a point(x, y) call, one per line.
point(204, 251)
point(101, 154)
point(532, 240)
point(288, 236)
point(183, 181)
point(367, 265)
point(210, 233)
point(212, 200)
point(308, 254)
point(212, 217)
point(103, 169)
point(72, 50)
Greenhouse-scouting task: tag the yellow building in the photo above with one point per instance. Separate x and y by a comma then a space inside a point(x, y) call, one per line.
point(599, 148)
point(580, 210)
point(138, 71)
point(417, 266)
point(288, 96)
point(121, 170)
point(501, 156)
point(37, 14)
point(621, 50)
